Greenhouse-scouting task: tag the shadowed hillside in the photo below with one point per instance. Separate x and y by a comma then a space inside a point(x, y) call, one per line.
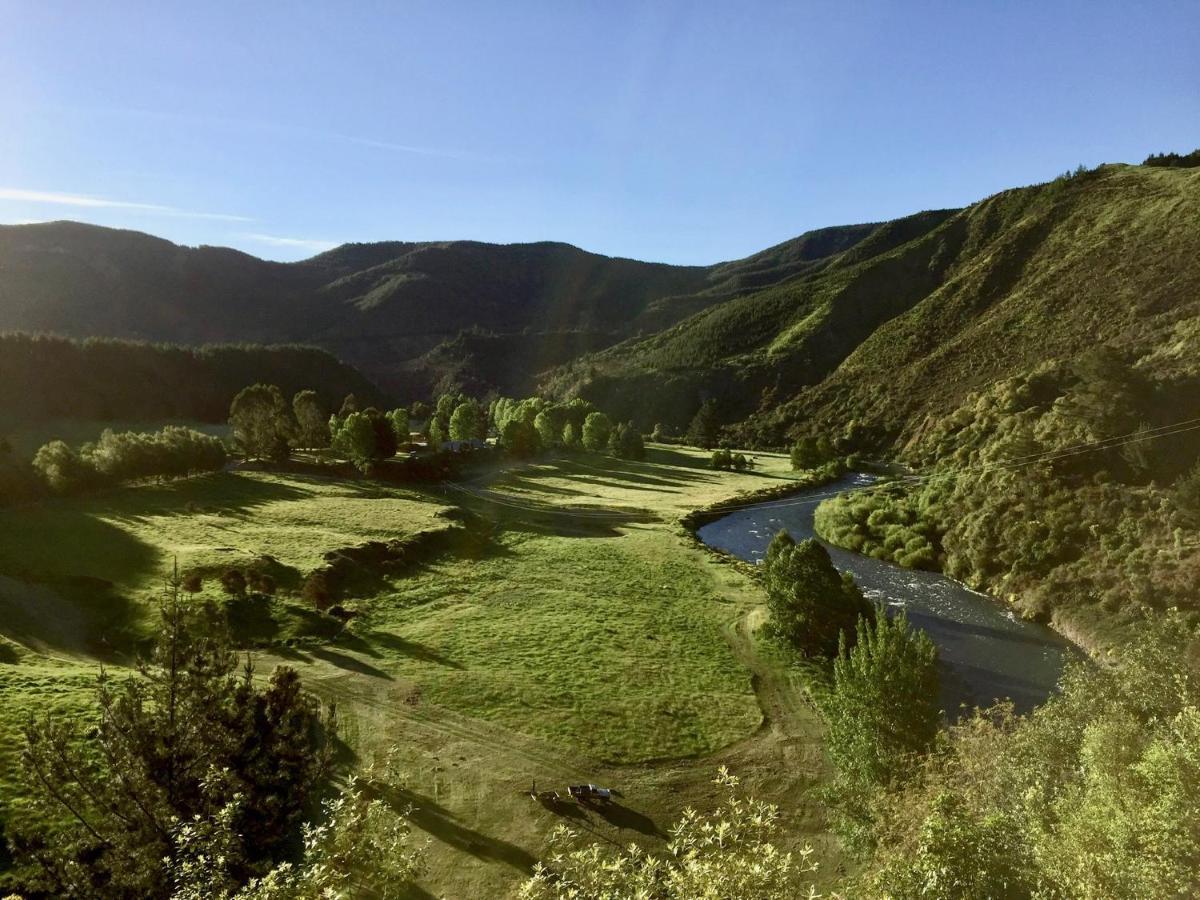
point(411, 316)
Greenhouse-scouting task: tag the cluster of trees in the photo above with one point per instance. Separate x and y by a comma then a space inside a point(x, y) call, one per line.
point(881, 703)
point(119, 457)
point(1174, 160)
point(724, 459)
point(812, 452)
point(194, 780)
point(265, 426)
point(1091, 795)
point(1067, 489)
point(49, 377)
point(525, 427)
point(365, 437)
point(457, 417)
point(885, 524)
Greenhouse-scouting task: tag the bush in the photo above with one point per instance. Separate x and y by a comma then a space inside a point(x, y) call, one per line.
point(128, 456)
point(597, 428)
point(811, 452)
point(233, 582)
point(884, 708)
point(813, 607)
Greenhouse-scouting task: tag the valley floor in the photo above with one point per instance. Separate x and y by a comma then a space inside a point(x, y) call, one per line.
point(589, 640)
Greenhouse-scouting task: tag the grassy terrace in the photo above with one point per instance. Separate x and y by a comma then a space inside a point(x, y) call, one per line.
point(589, 640)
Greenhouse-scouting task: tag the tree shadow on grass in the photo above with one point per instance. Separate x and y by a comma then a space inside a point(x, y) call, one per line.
point(412, 649)
point(349, 663)
point(625, 817)
point(628, 472)
point(440, 823)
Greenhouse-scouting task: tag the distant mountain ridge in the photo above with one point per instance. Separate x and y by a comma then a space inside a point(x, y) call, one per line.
point(383, 307)
point(886, 323)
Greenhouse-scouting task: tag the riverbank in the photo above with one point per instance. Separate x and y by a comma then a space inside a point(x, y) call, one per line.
point(987, 653)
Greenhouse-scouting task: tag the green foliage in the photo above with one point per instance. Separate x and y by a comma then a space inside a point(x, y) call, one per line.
point(355, 438)
point(436, 432)
point(812, 605)
point(570, 437)
point(811, 452)
point(597, 428)
point(1187, 496)
point(262, 423)
point(626, 442)
point(401, 427)
point(884, 524)
point(312, 420)
point(386, 441)
point(520, 438)
point(171, 745)
point(546, 429)
point(61, 467)
point(727, 460)
point(362, 846)
point(1092, 795)
point(468, 422)
point(119, 457)
point(1173, 160)
point(883, 709)
point(45, 376)
point(961, 856)
point(705, 426)
point(728, 853)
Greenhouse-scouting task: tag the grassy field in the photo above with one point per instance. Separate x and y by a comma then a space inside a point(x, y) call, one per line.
point(588, 640)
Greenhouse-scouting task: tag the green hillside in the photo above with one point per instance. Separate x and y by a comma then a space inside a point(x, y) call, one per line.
point(902, 326)
point(412, 316)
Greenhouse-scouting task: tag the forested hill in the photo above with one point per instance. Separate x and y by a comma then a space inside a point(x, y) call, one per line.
point(45, 377)
point(900, 328)
point(409, 315)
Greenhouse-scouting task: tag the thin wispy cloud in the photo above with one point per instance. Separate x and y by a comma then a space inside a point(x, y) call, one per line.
point(274, 240)
point(412, 148)
point(84, 201)
point(235, 124)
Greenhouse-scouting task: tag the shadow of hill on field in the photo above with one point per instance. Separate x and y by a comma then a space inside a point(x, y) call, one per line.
point(222, 492)
point(78, 619)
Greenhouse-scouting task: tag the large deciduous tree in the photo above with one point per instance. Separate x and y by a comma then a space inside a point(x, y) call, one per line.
point(597, 428)
point(312, 420)
point(811, 603)
point(355, 439)
point(468, 422)
point(262, 423)
point(884, 708)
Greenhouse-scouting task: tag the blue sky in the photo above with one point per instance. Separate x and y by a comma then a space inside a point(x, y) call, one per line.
point(682, 132)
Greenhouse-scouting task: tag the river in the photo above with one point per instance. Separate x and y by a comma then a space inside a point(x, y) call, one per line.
point(987, 653)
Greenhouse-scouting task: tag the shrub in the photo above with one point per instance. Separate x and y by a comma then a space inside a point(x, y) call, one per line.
point(813, 607)
point(233, 582)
